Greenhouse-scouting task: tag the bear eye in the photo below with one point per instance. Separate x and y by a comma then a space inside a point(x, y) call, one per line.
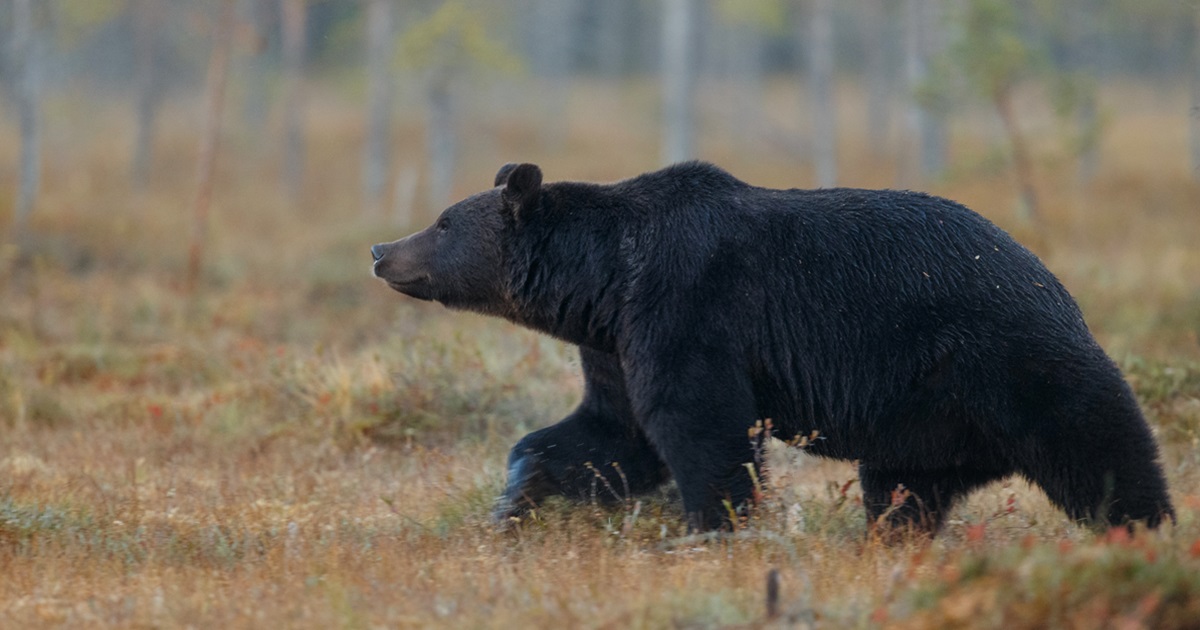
point(443, 225)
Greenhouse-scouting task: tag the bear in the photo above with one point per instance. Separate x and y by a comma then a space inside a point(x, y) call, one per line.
point(899, 330)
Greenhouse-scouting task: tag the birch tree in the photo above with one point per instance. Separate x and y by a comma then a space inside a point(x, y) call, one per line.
point(259, 19)
point(875, 31)
point(1085, 45)
point(295, 18)
point(741, 30)
point(554, 23)
point(26, 59)
point(1195, 113)
point(821, 87)
point(148, 25)
point(218, 70)
point(377, 152)
point(992, 59)
point(745, 73)
point(441, 138)
point(1074, 27)
point(678, 80)
point(448, 46)
point(611, 38)
point(925, 119)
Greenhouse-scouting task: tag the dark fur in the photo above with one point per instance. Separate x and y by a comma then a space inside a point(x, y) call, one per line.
point(912, 334)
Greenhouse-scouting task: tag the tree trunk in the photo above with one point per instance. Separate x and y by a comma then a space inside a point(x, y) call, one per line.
point(1195, 118)
point(294, 13)
point(404, 197)
point(933, 133)
point(147, 26)
point(441, 142)
point(821, 70)
point(1022, 162)
point(744, 75)
point(377, 158)
point(678, 79)
point(1084, 40)
point(875, 27)
point(555, 22)
point(611, 38)
point(914, 74)
point(259, 16)
point(925, 125)
point(26, 57)
point(218, 69)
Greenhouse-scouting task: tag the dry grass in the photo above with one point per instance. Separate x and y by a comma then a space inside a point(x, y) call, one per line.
point(296, 446)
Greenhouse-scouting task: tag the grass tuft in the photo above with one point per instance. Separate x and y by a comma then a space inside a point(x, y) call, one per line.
point(297, 445)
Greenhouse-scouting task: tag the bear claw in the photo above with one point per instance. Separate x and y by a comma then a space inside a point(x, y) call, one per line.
point(521, 491)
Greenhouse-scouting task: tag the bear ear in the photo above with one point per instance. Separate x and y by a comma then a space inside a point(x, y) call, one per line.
point(522, 185)
point(503, 173)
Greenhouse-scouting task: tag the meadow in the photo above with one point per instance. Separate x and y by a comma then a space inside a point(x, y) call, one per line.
point(294, 445)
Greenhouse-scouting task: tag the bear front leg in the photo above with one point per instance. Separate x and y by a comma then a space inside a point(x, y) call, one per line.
point(599, 438)
point(697, 412)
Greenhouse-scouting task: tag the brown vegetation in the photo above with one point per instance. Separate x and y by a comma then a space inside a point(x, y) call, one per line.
point(295, 445)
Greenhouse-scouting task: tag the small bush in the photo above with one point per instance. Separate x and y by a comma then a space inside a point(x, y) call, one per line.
point(1113, 582)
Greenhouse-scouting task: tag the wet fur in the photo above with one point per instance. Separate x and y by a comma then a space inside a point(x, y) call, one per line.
point(910, 333)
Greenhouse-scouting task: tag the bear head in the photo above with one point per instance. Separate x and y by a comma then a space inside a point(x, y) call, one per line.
point(460, 259)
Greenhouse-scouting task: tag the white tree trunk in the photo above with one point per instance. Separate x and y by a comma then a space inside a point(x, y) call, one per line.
point(1083, 36)
point(741, 72)
point(821, 87)
point(26, 55)
point(1195, 117)
point(441, 142)
point(875, 28)
point(218, 70)
point(554, 21)
point(611, 38)
point(258, 16)
point(404, 197)
point(678, 80)
point(294, 13)
point(926, 127)
point(147, 27)
point(377, 155)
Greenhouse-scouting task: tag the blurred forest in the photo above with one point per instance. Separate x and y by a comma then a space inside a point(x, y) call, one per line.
point(695, 73)
point(211, 415)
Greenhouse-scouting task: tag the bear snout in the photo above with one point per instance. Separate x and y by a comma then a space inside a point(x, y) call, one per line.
point(377, 252)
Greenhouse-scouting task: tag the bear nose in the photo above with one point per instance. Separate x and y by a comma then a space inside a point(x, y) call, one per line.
point(377, 252)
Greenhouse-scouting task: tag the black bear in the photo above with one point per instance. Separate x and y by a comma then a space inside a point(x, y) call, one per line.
point(908, 332)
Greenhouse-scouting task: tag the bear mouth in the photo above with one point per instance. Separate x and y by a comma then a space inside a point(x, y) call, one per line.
point(418, 288)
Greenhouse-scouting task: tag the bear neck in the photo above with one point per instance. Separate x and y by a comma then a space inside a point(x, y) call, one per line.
point(565, 273)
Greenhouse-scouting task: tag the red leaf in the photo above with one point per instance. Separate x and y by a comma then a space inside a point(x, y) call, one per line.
point(1117, 536)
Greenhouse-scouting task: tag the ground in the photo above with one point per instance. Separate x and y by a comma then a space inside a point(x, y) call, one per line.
point(296, 443)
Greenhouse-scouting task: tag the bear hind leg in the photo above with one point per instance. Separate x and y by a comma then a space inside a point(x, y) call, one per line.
point(1094, 455)
point(900, 502)
point(1130, 488)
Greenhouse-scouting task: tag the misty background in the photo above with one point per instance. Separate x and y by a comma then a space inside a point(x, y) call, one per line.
point(389, 110)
